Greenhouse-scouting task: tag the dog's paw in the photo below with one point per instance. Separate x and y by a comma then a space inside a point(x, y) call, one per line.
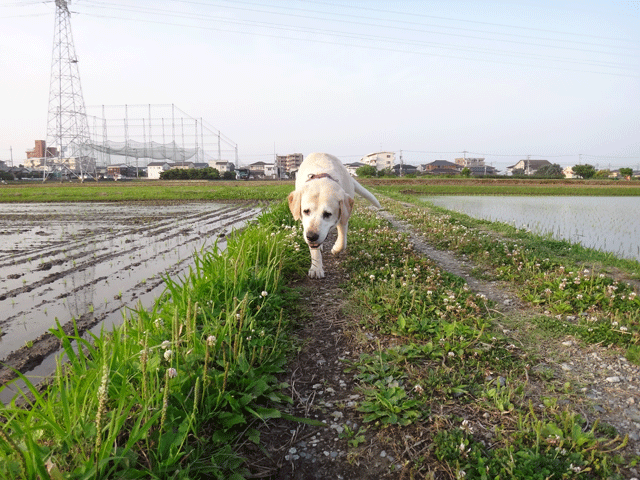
point(337, 249)
point(316, 273)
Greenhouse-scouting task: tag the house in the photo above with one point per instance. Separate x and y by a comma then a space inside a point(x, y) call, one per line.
point(568, 172)
point(380, 160)
point(470, 162)
point(480, 171)
point(405, 169)
point(223, 166)
point(263, 170)
point(352, 167)
point(154, 169)
point(529, 167)
point(442, 167)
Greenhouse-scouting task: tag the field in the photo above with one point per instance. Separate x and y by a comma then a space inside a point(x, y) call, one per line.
point(65, 261)
point(437, 347)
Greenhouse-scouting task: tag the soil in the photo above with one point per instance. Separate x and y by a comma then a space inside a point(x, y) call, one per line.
point(607, 386)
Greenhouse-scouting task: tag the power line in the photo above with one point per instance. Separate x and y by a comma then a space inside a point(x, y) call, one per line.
point(369, 38)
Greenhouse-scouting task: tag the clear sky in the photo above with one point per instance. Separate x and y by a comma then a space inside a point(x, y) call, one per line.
point(558, 80)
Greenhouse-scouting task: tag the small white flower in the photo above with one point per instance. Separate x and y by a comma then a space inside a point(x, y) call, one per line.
point(418, 389)
point(166, 344)
point(168, 354)
point(264, 293)
point(372, 277)
point(158, 322)
point(211, 340)
point(172, 372)
point(451, 354)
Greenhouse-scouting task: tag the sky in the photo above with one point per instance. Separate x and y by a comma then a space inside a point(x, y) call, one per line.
point(428, 80)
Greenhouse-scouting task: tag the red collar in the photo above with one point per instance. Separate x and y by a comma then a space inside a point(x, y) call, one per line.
point(313, 176)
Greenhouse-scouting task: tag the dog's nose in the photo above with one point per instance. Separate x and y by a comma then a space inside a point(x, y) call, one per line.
point(313, 236)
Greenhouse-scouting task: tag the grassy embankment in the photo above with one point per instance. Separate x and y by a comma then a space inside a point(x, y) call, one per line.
point(143, 191)
point(175, 391)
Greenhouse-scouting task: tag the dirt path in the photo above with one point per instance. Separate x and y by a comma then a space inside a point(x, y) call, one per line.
point(322, 390)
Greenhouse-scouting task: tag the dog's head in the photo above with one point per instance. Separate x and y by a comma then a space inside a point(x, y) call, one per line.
point(321, 205)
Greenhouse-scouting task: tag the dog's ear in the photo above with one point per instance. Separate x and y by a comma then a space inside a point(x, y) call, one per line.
point(294, 204)
point(346, 206)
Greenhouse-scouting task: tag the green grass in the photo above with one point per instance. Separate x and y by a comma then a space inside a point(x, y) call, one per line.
point(178, 389)
point(442, 368)
point(145, 191)
point(172, 391)
point(507, 186)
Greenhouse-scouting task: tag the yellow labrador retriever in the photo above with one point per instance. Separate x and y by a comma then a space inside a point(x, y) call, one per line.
point(323, 199)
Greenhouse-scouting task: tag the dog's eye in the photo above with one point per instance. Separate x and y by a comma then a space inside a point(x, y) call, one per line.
point(306, 212)
point(326, 215)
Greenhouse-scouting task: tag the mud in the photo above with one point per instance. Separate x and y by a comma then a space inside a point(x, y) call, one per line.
point(87, 262)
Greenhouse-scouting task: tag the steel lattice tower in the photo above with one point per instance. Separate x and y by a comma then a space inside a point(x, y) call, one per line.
point(67, 126)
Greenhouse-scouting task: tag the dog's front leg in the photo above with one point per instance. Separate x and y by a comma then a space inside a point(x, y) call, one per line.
point(316, 270)
point(341, 240)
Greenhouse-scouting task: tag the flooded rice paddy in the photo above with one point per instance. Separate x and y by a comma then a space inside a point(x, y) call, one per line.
point(608, 224)
point(86, 262)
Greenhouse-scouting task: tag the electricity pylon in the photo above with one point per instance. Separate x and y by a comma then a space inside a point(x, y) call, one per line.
point(67, 127)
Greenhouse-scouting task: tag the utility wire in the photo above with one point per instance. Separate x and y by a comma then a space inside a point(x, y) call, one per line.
point(364, 38)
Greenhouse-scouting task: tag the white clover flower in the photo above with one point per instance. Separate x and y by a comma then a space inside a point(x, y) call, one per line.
point(372, 277)
point(623, 329)
point(211, 340)
point(168, 354)
point(172, 372)
point(418, 389)
point(166, 344)
point(264, 293)
point(451, 354)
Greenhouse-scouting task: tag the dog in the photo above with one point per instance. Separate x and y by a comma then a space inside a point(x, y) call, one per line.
point(323, 199)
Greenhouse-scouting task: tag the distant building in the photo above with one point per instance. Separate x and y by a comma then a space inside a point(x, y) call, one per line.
point(406, 169)
point(470, 162)
point(442, 167)
point(380, 160)
point(40, 150)
point(289, 163)
point(529, 167)
point(352, 167)
point(223, 166)
point(568, 172)
point(478, 171)
point(262, 170)
point(155, 169)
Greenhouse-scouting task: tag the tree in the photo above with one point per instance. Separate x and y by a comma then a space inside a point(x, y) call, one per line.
point(626, 173)
point(584, 171)
point(550, 171)
point(465, 172)
point(367, 171)
point(603, 173)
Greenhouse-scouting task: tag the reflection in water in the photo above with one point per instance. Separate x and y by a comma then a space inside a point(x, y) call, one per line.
point(608, 224)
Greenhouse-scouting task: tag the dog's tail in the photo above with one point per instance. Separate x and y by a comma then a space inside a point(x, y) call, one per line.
point(363, 192)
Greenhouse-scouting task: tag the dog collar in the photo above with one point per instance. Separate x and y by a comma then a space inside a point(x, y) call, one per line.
point(313, 176)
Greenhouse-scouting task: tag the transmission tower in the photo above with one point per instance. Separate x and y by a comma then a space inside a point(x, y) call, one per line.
point(67, 126)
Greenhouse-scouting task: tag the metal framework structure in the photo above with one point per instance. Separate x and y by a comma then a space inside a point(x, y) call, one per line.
point(135, 135)
point(67, 127)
